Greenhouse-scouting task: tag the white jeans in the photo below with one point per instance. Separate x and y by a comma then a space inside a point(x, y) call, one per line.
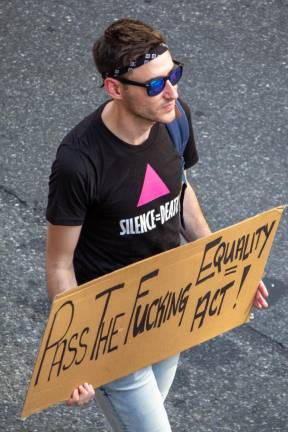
point(135, 403)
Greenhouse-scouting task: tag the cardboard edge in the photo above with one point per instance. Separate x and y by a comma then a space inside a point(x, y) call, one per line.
point(71, 291)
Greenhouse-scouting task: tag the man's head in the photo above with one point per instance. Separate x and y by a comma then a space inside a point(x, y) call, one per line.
point(122, 42)
point(138, 70)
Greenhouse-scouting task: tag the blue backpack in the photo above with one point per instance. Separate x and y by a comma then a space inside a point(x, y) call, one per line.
point(179, 133)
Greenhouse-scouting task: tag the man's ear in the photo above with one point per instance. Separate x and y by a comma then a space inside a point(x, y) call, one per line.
point(113, 88)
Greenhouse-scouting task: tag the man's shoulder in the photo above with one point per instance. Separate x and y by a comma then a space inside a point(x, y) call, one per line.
point(84, 135)
point(87, 125)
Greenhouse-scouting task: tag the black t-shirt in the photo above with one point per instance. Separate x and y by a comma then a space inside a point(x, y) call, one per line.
point(126, 197)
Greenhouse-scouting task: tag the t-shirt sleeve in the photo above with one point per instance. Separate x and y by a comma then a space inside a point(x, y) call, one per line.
point(68, 197)
point(190, 153)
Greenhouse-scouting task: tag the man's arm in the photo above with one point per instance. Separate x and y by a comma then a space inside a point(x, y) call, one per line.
point(196, 227)
point(195, 223)
point(61, 244)
point(60, 247)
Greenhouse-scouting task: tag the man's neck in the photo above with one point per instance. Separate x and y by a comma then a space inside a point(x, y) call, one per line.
point(126, 126)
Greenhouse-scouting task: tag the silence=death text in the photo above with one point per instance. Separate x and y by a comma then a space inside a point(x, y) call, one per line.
point(148, 221)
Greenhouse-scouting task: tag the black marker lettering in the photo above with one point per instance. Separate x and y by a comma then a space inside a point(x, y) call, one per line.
point(149, 324)
point(139, 326)
point(183, 302)
point(219, 255)
point(245, 253)
point(240, 247)
point(71, 349)
point(161, 310)
point(205, 267)
point(101, 337)
point(82, 345)
point(223, 292)
point(201, 314)
point(107, 292)
point(113, 333)
point(49, 345)
point(267, 233)
point(229, 253)
point(138, 296)
point(211, 310)
point(59, 362)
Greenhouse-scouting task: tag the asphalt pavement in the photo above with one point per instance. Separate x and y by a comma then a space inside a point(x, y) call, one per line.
point(236, 82)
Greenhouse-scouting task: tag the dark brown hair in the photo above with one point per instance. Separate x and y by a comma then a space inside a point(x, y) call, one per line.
point(122, 42)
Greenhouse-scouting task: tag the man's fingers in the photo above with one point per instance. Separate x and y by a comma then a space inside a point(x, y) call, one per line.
point(87, 386)
point(260, 297)
point(90, 389)
point(74, 398)
point(81, 395)
point(84, 395)
point(82, 390)
point(257, 305)
point(260, 302)
point(263, 290)
point(75, 395)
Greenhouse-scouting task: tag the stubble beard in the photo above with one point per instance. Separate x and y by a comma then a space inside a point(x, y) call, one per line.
point(151, 116)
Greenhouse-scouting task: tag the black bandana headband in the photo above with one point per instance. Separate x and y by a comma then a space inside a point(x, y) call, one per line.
point(146, 58)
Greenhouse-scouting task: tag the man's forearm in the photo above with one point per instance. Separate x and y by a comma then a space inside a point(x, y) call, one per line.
point(195, 223)
point(59, 280)
point(60, 246)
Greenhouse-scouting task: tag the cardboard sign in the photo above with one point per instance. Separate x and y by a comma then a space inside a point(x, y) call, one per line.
point(152, 309)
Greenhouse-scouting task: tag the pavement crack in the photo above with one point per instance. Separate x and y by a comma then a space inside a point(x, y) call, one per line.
point(271, 339)
point(12, 193)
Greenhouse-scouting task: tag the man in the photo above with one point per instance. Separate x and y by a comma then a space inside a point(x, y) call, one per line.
point(118, 164)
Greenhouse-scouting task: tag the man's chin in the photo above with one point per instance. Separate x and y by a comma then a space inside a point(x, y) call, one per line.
point(167, 117)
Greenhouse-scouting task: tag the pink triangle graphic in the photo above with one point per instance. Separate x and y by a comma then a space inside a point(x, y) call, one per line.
point(153, 187)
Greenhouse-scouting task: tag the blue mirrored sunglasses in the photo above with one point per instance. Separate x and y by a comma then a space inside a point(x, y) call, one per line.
point(156, 85)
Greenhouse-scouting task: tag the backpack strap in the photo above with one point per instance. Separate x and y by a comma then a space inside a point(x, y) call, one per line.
point(179, 132)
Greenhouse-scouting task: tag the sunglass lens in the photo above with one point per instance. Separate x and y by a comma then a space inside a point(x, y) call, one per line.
point(156, 87)
point(175, 75)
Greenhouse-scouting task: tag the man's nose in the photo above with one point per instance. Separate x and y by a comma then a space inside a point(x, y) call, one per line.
point(170, 90)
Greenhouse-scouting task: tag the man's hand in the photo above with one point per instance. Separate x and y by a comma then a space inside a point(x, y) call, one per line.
point(81, 395)
point(261, 296)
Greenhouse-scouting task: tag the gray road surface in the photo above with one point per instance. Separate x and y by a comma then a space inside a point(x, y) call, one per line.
point(236, 79)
